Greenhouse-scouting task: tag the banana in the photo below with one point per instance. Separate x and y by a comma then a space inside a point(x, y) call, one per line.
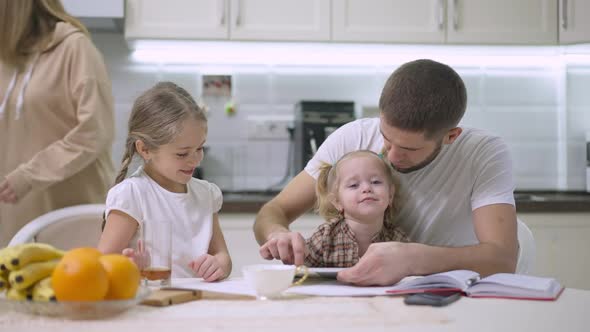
point(21, 255)
point(30, 274)
point(19, 295)
point(4, 257)
point(42, 291)
point(2, 253)
point(4, 281)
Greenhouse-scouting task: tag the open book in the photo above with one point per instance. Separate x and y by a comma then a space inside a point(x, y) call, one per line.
point(501, 285)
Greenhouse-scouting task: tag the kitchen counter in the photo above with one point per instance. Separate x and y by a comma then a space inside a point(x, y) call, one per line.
point(245, 202)
point(526, 201)
point(552, 201)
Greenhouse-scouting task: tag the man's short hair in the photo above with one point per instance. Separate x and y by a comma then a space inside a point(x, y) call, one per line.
point(424, 96)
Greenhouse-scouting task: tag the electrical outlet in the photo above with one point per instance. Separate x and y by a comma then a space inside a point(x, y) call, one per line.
point(275, 127)
point(216, 86)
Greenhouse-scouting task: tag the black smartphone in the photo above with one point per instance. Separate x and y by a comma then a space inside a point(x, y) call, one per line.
point(438, 299)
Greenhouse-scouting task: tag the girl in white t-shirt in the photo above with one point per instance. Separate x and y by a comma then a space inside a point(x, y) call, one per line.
point(167, 129)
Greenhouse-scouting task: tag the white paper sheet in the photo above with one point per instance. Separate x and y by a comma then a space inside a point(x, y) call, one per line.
point(230, 286)
point(335, 288)
point(310, 287)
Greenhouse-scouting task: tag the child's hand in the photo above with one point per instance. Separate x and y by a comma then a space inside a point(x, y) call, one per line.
point(140, 257)
point(208, 267)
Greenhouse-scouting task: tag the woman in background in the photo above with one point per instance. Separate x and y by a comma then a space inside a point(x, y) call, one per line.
point(56, 114)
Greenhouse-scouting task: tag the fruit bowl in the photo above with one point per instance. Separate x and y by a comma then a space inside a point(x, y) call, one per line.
point(75, 310)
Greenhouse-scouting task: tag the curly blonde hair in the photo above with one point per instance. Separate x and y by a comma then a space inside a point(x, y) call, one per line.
point(327, 184)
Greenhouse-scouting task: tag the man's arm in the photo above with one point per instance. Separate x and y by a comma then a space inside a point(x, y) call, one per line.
point(388, 262)
point(495, 227)
point(272, 222)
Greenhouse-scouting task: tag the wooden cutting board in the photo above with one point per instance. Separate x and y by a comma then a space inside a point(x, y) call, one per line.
point(166, 297)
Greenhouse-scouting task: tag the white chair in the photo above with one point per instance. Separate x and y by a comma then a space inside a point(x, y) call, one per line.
point(66, 228)
point(526, 249)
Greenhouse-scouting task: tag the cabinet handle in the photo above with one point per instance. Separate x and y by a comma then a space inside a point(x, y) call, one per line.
point(564, 14)
point(221, 11)
point(238, 16)
point(440, 14)
point(455, 14)
point(130, 12)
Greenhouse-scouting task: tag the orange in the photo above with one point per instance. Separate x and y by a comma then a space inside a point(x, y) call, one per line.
point(123, 276)
point(79, 276)
point(85, 251)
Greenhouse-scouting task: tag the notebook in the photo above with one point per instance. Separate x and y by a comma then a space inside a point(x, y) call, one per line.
point(500, 285)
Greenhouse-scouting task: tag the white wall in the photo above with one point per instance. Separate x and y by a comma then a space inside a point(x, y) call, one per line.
point(541, 110)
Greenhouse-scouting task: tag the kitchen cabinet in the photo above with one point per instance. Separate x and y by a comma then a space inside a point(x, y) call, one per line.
point(402, 21)
point(562, 244)
point(307, 20)
point(177, 19)
point(534, 22)
point(502, 21)
point(446, 21)
point(574, 22)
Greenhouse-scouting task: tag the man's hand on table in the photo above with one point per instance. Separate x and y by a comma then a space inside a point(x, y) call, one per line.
point(383, 264)
point(289, 247)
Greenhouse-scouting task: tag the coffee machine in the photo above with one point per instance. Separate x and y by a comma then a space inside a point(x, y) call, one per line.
point(314, 121)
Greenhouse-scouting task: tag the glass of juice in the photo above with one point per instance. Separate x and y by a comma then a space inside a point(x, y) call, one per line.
point(155, 253)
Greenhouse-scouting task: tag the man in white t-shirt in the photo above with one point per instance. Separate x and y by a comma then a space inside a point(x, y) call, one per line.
point(457, 187)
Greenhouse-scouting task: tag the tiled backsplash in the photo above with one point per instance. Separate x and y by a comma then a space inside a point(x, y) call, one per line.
point(541, 111)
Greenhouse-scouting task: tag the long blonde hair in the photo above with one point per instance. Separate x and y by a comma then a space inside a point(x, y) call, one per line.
point(327, 185)
point(156, 119)
point(26, 24)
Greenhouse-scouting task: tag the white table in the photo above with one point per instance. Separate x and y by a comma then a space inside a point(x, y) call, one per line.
point(571, 312)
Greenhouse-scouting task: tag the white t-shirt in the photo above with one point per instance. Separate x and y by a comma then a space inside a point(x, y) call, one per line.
point(190, 213)
point(437, 200)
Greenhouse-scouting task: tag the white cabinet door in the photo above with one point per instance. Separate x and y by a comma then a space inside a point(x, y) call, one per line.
point(562, 246)
point(416, 21)
point(177, 19)
point(306, 20)
point(574, 21)
point(502, 21)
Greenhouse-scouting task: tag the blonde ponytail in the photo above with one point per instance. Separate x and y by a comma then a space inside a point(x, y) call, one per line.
point(325, 192)
point(124, 166)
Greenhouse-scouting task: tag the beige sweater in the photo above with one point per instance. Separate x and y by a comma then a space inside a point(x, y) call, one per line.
point(55, 150)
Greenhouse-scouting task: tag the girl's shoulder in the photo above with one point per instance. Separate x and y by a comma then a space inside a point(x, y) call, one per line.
point(131, 183)
point(202, 185)
point(205, 190)
point(128, 196)
point(135, 185)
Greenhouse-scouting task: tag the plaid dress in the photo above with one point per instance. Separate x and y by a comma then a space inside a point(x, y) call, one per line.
point(333, 244)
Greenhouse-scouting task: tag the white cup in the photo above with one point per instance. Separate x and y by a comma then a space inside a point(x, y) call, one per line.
point(269, 281)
